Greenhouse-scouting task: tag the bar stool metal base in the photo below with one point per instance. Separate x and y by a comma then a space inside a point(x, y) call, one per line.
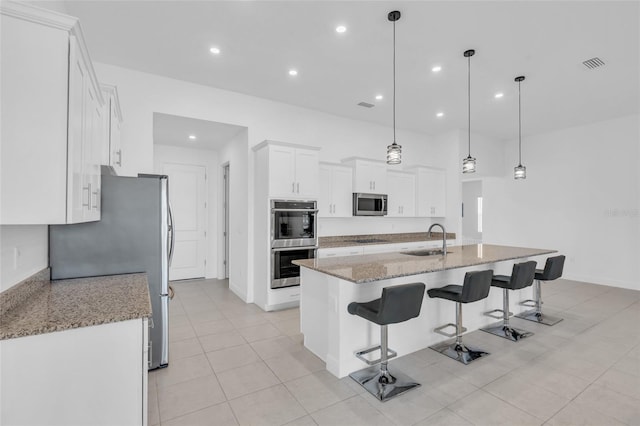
point(459, 351)
point(382, 384)
point(507, 332)
point(539, 317)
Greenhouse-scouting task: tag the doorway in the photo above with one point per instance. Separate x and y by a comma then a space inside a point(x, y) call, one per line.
point(472, 212)
point(187, 195)
point(225, 206)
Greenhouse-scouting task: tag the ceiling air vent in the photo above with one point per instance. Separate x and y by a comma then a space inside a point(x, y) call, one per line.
point(366, 105)
point(593, 63)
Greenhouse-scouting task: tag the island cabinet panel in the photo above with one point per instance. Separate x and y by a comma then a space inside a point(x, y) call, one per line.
point(369, 177)
point(335, 196)
point(402, 194)
point(431, 192)
point(52, 114)
point(293, 172)
point(84, 376)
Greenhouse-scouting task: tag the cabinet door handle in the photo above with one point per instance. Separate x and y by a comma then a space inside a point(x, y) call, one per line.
point(119, 162)
point(88, 189)
point(298, 187)
point(374, 185)
point(293, 187)
point(97, 194)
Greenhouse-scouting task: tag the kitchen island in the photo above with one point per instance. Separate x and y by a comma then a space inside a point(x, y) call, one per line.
point(327, 286)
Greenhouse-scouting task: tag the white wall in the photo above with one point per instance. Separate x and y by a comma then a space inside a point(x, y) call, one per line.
point(30, 244)
point(209, 160)
point(581, 197)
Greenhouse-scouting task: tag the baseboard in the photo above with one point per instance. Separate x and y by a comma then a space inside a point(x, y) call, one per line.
point(610, 282)
point(238, 292)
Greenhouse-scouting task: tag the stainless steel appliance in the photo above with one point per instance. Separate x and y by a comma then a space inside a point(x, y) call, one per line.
point(369, 204)
point(283, 272)
point(293, 223)
point(294, 235)
point(135, 234)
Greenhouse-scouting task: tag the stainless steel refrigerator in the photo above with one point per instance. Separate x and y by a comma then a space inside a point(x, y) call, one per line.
point(134, 234)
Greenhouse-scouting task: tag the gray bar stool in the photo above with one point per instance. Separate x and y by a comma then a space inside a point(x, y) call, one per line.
point(397, 304)
point(521, 277)
point(552, 271)
point(475, 287)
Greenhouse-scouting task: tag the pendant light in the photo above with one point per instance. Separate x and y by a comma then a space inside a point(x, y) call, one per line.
point(469, 163)
point(520, 171)
point(394, 151)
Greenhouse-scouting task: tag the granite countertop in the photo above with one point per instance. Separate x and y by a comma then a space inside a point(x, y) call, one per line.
point(374, 239)
point(48, 306)
point(382, 266)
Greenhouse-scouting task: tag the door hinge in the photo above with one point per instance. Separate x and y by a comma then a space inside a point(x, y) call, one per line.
point(224, 262)
point(224, 233)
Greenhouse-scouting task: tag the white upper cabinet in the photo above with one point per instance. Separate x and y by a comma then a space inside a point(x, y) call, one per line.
point(402, 194)
point(369, 176)
point(112, 149)
point(431, 191)
point(292, 170)
point(51, 120)
point(336, 192)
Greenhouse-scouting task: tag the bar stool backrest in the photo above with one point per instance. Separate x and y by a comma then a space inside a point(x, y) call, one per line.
point(400, 303)
point(522, 275)
point(476, 286)
point(553, 268)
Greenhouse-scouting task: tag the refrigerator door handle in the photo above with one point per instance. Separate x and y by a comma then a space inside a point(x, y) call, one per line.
point(171, 233)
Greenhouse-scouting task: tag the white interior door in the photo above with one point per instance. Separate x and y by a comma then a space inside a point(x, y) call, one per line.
point(187, 195)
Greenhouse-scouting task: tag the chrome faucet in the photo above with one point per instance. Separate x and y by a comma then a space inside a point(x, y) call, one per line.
point(444, 237)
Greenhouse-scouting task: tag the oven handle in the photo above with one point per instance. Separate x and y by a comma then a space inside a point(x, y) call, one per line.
point(295, 210)
point(294, 248)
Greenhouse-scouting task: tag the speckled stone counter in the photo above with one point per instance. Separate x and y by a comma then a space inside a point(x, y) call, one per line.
point(363, 240)
point(382, 266)
point(81, 302)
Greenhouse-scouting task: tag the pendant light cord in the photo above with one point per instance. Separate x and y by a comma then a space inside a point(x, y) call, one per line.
point(394, 82)
point(519, 129)
point(469, 99)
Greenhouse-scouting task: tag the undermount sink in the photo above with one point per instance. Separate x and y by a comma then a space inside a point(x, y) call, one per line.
point(431, 252)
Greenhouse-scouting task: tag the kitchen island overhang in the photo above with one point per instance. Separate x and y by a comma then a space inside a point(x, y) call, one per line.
point(327, 286)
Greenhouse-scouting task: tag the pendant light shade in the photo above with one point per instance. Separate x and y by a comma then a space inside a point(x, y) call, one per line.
point(520, 171)
point(394, 151)
point(469, 163)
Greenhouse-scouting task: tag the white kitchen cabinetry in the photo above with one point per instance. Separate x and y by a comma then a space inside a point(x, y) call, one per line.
point(431, 191)
point(292, 170)
point(369, 176)
point(339, 252)
point(112, 149)
point(336, 193)
point(83, 376)
point(402, 194)
point(51, 120)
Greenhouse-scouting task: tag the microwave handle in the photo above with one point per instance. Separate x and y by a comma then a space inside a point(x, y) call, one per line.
point(384, 208)
point(295, 210)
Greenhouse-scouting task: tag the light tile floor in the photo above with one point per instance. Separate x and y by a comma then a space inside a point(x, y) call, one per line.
point(231, 363)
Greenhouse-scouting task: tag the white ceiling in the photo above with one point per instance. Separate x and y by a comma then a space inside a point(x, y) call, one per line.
point(544, 40)
point(175, 131)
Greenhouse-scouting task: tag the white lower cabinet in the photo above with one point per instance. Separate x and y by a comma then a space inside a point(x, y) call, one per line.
point(85, 376)
point(339, 252)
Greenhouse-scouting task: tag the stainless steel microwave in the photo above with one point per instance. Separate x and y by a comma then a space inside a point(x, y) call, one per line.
point(369, 204)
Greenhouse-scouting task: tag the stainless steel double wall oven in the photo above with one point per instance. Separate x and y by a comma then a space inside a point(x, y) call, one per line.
point(294, 235)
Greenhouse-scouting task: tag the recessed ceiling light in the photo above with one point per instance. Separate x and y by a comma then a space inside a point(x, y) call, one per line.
point(215, 50)
point(437, 68)
point(293, 72)
point(379, 97)
point(440, 114)
point(498, 95)
point(341, 29)
point(192, 137)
